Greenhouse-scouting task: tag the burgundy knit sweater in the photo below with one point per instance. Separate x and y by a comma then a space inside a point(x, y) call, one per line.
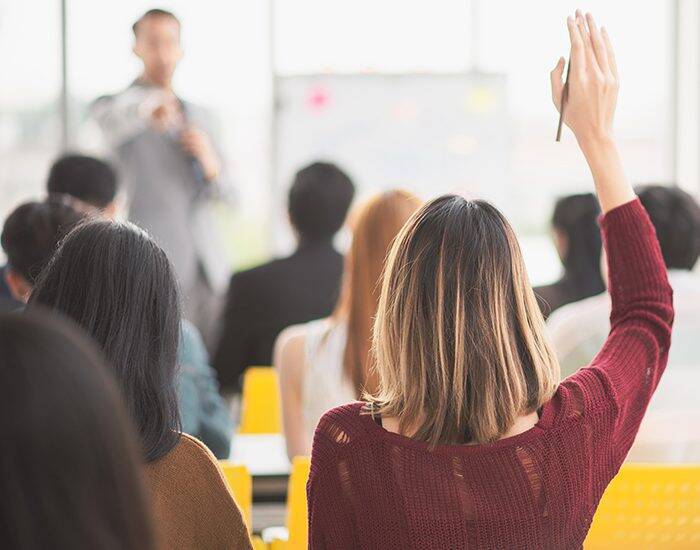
point(370, 488)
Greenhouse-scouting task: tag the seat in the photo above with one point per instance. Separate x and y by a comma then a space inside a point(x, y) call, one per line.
point(260, 404)
point(241, 484)
point(649, 506)
point(297, 511)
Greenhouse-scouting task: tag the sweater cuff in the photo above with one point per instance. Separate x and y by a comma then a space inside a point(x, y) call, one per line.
point(623, 214)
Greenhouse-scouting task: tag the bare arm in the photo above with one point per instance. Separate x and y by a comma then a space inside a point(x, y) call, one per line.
point(289, 361)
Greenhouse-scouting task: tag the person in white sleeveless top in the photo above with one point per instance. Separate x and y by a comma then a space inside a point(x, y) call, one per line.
point(325, 363)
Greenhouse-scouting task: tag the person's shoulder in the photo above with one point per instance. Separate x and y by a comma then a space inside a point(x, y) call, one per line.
point(342, 426)
point(193, 460)
point(274, 266)
point(272, 272)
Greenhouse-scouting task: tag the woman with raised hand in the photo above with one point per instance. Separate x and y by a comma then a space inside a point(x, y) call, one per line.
point(70, 467)
point(470, 441)
point(326, 363)
point(116, 283)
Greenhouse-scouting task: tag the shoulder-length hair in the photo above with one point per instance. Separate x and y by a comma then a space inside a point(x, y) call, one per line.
point(459, 339)
point(115, 282)
point(374, 225)
point(70, 468)
point(576, 217)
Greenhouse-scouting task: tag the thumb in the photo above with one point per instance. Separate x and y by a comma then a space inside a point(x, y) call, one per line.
point(557, 82)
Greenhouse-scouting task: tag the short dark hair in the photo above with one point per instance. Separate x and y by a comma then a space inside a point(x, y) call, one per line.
point(676, 217)
point(87, 179)
point(576, 216)
point(155, 12)
point(116, 283)
point(31, 234)
point(319, 200)
point(70, 469)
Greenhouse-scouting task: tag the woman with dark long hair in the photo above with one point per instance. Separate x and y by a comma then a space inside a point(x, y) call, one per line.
point(70, 466)
point(470, 441)
point(116, 283)
point(577, 239)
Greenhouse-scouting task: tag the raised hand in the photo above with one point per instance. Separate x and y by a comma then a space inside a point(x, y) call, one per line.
point(590, 107)
point(593, 80)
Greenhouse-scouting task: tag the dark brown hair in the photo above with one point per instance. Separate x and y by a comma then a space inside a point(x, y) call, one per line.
point(117, 284)
point(459, 339)
point(70, 467)
point(155, 12)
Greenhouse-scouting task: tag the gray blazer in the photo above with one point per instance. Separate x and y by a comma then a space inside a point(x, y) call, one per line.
point(166, 192)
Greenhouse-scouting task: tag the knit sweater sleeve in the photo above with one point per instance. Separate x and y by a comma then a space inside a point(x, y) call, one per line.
point(635, 353)
point(331, 522)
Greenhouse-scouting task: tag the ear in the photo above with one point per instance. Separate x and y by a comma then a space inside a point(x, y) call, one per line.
point(110, 211)
point(19, 287)
point(561, 243)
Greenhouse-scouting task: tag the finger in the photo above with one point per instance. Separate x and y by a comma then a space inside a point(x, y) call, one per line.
point(557, 83)
point(609, 50)
point(577, 58)
point(589, 54)
point(599, 48)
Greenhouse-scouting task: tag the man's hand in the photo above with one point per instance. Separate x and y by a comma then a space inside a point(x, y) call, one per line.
point(166, 113)
point(198, 144)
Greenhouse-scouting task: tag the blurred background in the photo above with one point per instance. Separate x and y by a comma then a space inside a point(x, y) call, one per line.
point(446, 95)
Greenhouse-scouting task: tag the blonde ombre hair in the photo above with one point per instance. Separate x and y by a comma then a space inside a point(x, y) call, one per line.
point(459, 339)
point(374, 225)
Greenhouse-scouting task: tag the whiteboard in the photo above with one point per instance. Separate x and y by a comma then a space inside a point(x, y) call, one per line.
point(429, 133)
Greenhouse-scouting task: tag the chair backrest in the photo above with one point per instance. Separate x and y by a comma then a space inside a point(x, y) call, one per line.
point(241, 484)
point(260, 405)
point(649, 506)
point(297, 511)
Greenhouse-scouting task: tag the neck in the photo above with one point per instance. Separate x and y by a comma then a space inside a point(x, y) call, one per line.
point(163, 85)
point(305, 242)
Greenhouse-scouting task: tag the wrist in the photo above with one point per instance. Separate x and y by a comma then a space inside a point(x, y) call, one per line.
point(595, 142)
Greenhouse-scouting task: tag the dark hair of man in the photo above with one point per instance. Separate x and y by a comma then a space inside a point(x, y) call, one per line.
point(70, 469)
point(32, 231)
point(87, 179)
point(116, 283)
point(676, 218)
point(576, 216)
point(319, 200)
point(155, 12)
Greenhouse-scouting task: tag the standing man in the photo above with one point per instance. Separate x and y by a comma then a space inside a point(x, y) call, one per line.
point(163, 149)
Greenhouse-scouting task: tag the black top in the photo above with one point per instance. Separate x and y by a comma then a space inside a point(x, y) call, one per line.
point(565, 291)
point(265, 300)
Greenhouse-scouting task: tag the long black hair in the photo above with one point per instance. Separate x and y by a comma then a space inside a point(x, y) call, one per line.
point(70, 466)
point(116, 283)
point(576, 216)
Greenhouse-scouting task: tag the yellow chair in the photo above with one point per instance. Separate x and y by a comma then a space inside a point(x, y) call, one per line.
point(261, 411)
point(297, 511)
point(241, 484)
point(649, 506)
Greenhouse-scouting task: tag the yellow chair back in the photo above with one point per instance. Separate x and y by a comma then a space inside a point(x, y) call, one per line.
point(649, 506)
point(260, 405)
point(241, 484)
point(297, 511)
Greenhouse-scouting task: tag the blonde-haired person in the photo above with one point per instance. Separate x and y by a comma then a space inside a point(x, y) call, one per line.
point(469, 442)
point(325, 363)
